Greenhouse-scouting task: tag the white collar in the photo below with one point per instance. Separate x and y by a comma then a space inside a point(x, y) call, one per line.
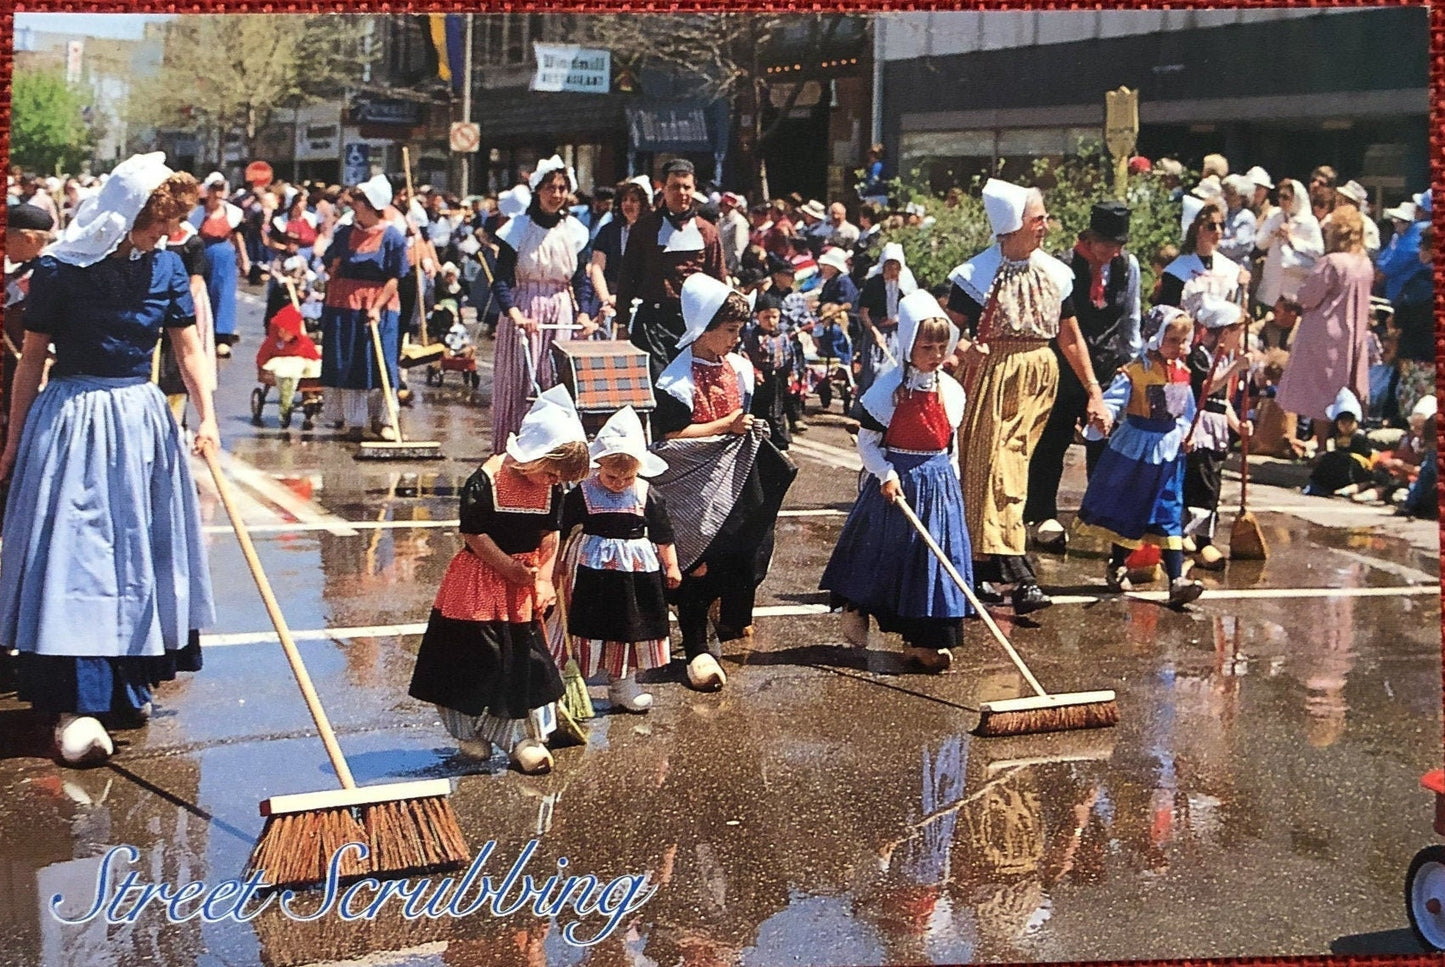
point(975, 277)
point(676, 379)
point(516, 229)
point(878, 400)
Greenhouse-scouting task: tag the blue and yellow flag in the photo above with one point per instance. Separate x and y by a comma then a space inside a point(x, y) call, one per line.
point(447, 40)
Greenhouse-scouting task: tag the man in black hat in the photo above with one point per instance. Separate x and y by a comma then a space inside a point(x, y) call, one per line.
point(28, 229)
point(1106, 300)
point(667, 245)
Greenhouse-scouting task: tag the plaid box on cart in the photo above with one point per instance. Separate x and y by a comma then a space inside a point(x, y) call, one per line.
point(604, 376)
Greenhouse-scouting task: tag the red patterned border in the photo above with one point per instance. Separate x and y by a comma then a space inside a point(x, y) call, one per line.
point(1437, 162)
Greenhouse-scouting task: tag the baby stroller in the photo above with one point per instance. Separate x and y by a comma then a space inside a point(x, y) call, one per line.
point(293, 367)
point(1425, 881)
point(460, 352)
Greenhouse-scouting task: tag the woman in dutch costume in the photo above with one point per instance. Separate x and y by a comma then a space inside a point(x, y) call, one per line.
point(1136, 494)
point(908, 443)
point(483, 661)
point(725, 481)
point(537, 260)
point(884, 287)
point(366, 263)
point(218, 222)
point(1011, 300)
point(105, 582)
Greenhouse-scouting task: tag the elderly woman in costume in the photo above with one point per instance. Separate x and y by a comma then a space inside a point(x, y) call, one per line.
point(218, 222)
point(1291, 241)
point(104, 567)
point(536, 261)
point(1010, 300)
point(888, 281)
point(365, 265)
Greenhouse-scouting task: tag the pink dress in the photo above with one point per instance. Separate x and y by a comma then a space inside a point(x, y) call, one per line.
point(1331, 349)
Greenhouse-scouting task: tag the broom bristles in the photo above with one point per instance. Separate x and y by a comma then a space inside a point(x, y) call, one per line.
point(1246, 540)
point(403, 836)
point(400, 450)
point(576, 700)
point(1055, 718)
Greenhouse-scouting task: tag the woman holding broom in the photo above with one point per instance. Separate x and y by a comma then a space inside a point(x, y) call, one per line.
point(365, 265)
point(537, 259)
point(104, 568)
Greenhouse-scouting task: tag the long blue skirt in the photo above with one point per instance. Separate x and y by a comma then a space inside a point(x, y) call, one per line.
point(881, 565)
point(1134, 491)
point(348, 358)
point(221, 269)
point(103, 576)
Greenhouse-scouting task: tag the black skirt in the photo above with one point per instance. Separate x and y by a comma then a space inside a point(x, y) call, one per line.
point(618, 606)
point(497, 667)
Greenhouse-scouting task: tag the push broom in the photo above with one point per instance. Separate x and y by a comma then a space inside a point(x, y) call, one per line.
point(400, 448)
point(1246, 540)
point(427, 352)
point(407, 826)
point(1041, 712)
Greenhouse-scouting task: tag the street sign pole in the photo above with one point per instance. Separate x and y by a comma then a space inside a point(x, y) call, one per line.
point(466, 166)
point(1121, 133)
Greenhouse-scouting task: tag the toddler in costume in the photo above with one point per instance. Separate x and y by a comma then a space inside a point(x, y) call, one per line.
point(1219, 326)
point(484, 661)
point(613, 574)
point(881, 567)
point(725, 481)
point(290, 355)
point(1136, 494)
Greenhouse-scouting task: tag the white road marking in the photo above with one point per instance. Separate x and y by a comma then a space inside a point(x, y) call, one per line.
point(370, 525)
point(803, 610)
point(828, 454)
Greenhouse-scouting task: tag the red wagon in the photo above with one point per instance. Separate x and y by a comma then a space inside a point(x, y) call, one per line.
point(1425, 882)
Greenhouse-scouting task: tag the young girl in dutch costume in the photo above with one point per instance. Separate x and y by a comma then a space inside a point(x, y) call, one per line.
point(881, 567)
point(615, 574)
point(1220, 325)
point(484, 661)
point(1136, 494)
point(725, 480)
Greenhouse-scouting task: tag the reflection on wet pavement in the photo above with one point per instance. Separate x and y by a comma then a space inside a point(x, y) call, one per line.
point(829, 806)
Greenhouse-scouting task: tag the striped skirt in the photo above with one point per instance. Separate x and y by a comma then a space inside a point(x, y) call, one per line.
point(524, 358)
point(1009, 398)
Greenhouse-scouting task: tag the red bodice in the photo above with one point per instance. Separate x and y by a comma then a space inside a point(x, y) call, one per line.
point(716, 391)
point(919, 423)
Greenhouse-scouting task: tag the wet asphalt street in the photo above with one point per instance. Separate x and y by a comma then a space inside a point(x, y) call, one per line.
point(1260, 795)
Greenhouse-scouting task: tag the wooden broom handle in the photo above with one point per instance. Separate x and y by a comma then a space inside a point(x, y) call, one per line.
point(902, 504)
point(291, 290)
point(1203, 395)
point(420, 285)
point(1243, 467)
point(385, 377)
point(278, 620)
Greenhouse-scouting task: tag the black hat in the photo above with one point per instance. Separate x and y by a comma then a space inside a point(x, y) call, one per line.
point(768, 299)
point(1110, 220)
point(778, 264)
point(32, 217)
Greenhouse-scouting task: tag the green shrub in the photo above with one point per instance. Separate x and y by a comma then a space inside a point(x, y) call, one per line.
point(1070, 188)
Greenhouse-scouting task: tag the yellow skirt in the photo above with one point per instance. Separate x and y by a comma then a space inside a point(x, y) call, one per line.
point(1009, 399)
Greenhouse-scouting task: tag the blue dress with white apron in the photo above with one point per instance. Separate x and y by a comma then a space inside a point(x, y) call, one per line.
point(103, 577)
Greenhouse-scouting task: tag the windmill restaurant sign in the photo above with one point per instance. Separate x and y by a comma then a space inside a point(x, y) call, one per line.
point(567, 67)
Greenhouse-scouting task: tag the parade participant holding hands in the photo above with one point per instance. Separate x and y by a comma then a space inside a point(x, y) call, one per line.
point(1010, 300)
point(365, 265)
point(1220, 326)
point(617, 610)
point(725, 481)
point(483, 660)
point(537, 258)
point(1136, 494)
point(105, 579)
point(908, 443)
